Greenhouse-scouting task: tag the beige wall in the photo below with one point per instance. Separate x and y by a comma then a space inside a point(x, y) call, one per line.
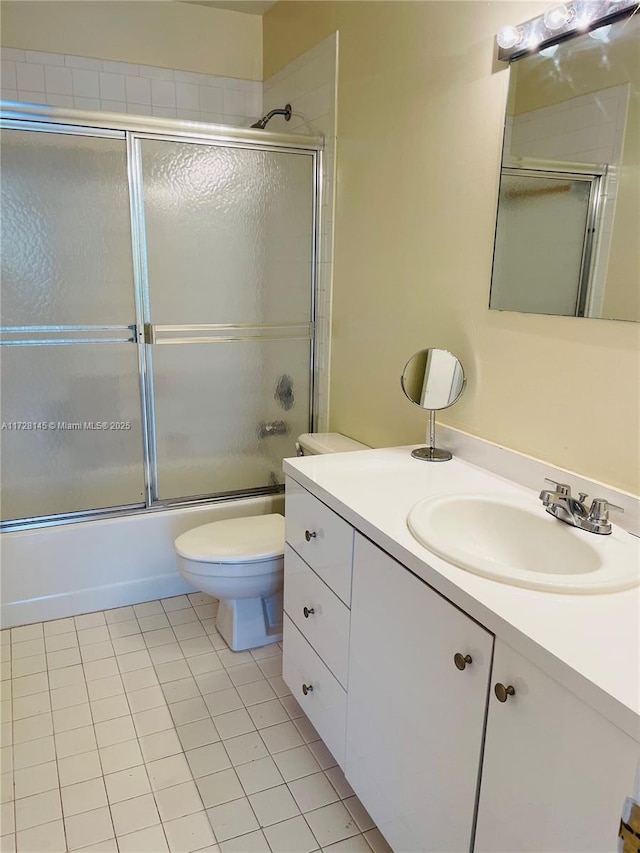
point(420, 116)
point(152, 32)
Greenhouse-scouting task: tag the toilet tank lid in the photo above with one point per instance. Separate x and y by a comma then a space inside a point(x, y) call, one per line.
point(234, 540)
point(328, 442)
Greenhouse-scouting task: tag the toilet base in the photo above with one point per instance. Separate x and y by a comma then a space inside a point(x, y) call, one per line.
point(248, 623)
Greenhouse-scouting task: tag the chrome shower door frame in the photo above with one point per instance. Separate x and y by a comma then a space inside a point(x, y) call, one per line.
point(134, 130)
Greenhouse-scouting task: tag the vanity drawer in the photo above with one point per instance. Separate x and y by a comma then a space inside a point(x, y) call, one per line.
point(322, 538)
point(327, 628)
point(326, 703)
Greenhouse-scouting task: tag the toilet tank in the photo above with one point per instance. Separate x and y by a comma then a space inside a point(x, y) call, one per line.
point(314, 443)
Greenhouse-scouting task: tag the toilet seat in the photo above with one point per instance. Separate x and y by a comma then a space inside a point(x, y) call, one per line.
point(236, 546)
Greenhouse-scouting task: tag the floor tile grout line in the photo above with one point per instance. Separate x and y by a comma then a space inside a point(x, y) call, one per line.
point(232, 766)
point(244, 706)
point(56, 748)
point(166, 704)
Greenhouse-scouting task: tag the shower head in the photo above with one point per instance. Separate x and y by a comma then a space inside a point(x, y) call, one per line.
point(262, 123)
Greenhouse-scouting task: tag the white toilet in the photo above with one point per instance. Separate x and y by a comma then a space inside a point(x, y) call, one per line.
point(241, 562)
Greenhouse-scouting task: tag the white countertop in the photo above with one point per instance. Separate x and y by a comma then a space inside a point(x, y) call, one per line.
point(588, 643)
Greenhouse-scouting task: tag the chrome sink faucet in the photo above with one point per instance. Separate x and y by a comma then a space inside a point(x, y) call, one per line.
point(561, 505)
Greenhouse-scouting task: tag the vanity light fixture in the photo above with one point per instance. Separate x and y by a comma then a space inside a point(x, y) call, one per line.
point(561, 22)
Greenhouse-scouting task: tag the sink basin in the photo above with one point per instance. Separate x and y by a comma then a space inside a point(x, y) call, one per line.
point(513, 540)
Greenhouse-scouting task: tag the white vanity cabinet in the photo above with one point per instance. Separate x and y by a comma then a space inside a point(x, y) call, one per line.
point(555, 773)
point(317, 591)
point(415, 721)
point(400, 684)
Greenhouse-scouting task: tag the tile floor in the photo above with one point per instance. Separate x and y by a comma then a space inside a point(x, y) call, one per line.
point(137, 730)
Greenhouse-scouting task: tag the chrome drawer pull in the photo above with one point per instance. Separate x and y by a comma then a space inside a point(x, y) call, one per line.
point(503, 693)
point(461, 661)
point(308, 535)
point(308, 611)
point(307, 688)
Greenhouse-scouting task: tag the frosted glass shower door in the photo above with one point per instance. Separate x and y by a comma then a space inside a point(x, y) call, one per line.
point(71, 435)
point(544, 235)
point(229, 234)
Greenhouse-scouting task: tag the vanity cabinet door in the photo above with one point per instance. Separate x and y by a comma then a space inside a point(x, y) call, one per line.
point(555, 773)
point(414, 720)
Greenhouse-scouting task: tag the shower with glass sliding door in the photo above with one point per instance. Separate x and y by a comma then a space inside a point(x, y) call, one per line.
point(157, 313)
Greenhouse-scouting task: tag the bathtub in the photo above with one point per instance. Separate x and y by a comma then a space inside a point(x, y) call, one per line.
point(65, 570)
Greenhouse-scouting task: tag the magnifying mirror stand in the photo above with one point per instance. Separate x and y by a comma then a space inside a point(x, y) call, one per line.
point(431, 453)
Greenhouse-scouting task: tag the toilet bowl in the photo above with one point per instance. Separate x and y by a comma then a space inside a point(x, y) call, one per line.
point(240, 561)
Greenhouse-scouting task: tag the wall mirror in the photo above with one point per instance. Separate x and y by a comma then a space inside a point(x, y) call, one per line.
point(432, 379)
point(569, 201)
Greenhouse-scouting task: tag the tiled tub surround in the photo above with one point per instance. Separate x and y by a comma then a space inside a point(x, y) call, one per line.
point(84, 83)
point(309, 85)
point(137, 730)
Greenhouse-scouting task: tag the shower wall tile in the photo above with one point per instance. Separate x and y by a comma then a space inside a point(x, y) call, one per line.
point(12, 54)
point(137, 89)
point(309, 85)
point(112, 87)
point(96, 84)
point(163, 93)
point(86, 83)
point(9, 76)
point(187, 96)
point(60, 100)
point(86, 103)
point(30, 77)
point(113, 106)
point(58, 80)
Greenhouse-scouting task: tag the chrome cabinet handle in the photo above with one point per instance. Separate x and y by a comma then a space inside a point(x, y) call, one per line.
point(503, 693)
point(307, 688)
point(461, 660)
point(308, 611)
point(308, 535)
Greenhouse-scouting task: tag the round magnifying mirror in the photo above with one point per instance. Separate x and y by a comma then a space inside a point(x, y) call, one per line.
point(433, 379)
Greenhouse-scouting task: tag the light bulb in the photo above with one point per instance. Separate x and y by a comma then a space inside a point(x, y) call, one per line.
point(508, 37)
point(601, 34)
point(556, 17)
point(584, 11)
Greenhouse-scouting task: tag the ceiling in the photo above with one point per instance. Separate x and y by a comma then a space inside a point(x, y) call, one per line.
point(250, 7)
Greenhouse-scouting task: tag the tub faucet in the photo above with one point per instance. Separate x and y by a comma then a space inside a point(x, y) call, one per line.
point(563, 506)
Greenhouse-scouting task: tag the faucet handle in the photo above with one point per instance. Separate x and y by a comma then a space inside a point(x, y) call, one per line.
point(599, 510)
point(563, 489)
